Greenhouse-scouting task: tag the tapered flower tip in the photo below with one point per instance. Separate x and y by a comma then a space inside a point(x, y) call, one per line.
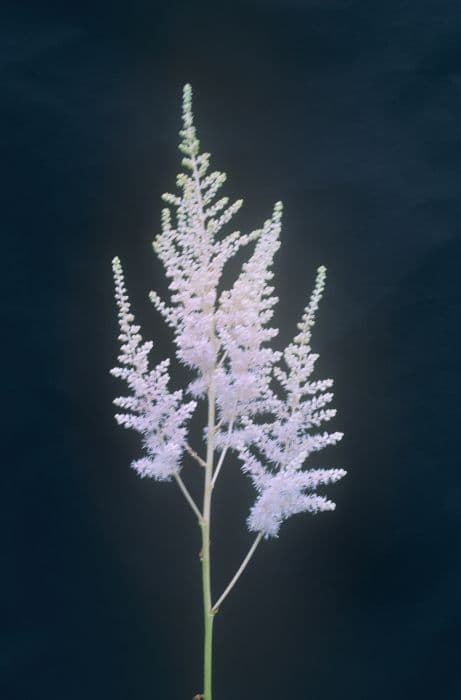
point(116, 265)
point(187, 98)
point(187, 116)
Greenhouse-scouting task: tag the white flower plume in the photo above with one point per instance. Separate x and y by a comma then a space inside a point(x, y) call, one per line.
point(224, 338)
point(286, 441)
point(152, 410)
point(193, 255)
point(242, 381)
point(288, 491)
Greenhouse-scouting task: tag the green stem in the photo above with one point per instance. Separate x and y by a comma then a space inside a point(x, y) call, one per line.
point(208, 613)
point(208, 617)
point(188, 497)
point(238, 573)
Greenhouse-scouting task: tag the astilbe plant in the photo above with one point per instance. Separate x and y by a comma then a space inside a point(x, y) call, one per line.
point(261, 404)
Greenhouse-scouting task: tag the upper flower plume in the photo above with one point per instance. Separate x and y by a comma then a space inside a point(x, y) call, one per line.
point(193, 254)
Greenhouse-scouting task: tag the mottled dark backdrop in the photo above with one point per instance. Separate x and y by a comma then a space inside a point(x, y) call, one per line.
point(350, 113)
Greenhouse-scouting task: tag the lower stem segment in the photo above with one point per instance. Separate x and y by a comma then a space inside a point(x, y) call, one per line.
point(207, 616)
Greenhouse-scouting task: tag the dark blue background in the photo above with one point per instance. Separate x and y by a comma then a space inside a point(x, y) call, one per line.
point(350, 113)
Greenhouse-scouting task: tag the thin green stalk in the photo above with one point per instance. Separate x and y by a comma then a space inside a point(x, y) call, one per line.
point(188, 497)
point(208, 613)
point(238, 573)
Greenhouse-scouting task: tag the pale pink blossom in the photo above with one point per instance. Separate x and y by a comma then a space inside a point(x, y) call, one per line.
point(268, 414)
